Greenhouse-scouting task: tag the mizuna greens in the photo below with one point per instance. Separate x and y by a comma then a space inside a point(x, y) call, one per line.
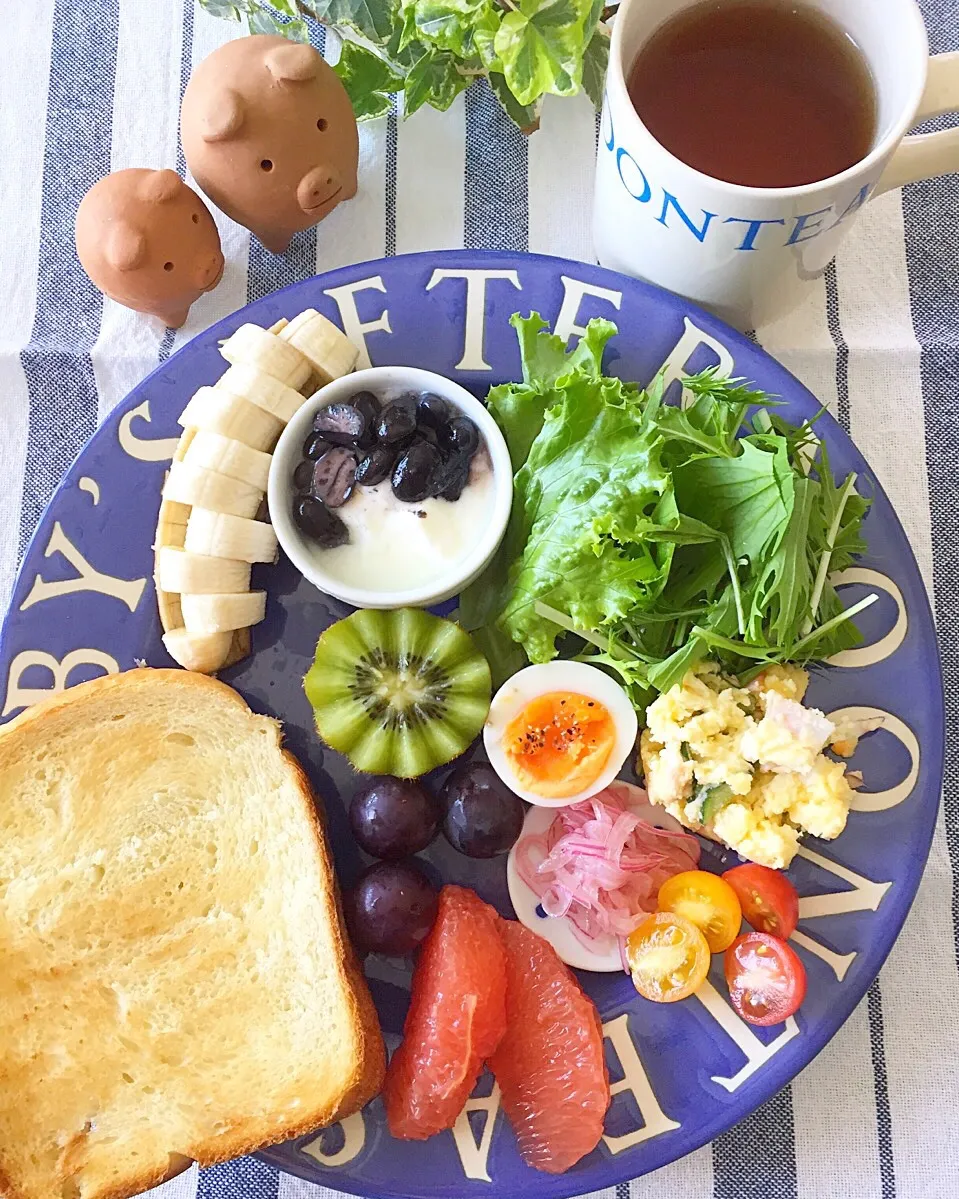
point(647, 536)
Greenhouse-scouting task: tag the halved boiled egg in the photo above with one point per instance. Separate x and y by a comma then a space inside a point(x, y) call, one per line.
point(559, 732)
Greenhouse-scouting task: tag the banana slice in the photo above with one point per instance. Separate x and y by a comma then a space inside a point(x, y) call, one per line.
point(257, 347)
point(228, 414)
point(212, 451)
point(221, 536)
point(208, 489)
point(329, 352)
point(222, 613)
point(171, 524)
point(183, 572)
point(202, 652)
point(262, 390)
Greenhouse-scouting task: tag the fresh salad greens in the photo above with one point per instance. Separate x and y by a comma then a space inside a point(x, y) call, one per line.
point(431, 50)
point(650, 536)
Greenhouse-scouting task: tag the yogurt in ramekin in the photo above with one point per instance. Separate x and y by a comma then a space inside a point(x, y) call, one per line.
point(393, 553)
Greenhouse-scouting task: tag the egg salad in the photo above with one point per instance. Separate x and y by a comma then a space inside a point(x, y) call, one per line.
point(746, 764)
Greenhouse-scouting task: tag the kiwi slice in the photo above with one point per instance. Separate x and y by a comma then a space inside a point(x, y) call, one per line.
point(398, 692)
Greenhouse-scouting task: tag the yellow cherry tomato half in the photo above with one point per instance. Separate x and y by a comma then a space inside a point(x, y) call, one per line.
point(668, 957)
point(706, 900)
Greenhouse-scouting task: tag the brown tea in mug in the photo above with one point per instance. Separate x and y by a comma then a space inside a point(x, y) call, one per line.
point(765, 93)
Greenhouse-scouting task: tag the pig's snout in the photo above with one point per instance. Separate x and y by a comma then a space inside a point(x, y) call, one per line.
point(317, 187)
point(209, 271)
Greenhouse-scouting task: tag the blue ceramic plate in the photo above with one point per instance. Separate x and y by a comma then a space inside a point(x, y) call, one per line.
point(682, 1073)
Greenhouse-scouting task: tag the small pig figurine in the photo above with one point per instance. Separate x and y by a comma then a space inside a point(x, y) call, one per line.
point(148, 241)
point(269, 135)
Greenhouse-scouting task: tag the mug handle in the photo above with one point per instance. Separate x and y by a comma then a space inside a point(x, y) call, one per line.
point(925, 155)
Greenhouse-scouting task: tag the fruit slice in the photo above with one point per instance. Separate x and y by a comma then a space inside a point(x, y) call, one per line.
point(221, 613)
point(223, 412)
point(456, 1019)
point(329, 352)
point(208, 489)
point(550, 1064)
point(262, 390)
point(398, 692)
point(213, 451)
point(180, 571)
point(224, 536)
point(202, 652)
point(261, 349)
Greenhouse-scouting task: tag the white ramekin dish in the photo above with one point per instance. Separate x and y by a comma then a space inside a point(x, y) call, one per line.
point(387, 381)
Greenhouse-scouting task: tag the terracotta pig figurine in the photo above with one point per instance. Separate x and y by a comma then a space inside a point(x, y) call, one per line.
point(148, 241)
point(269, 135)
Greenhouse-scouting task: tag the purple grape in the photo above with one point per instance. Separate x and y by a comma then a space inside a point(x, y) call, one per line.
point(392, 818)
point(391, 909)
point(483, 817)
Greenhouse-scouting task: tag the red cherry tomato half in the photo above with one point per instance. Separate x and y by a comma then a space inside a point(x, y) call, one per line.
point(768, 899)
point(766, 980)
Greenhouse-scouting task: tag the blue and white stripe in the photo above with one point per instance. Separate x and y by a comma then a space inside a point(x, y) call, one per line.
point(91, 87)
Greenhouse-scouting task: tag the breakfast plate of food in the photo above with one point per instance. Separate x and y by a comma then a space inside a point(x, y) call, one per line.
point(570, 765)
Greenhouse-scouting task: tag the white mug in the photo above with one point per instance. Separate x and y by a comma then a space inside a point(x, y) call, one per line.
point(745, 252)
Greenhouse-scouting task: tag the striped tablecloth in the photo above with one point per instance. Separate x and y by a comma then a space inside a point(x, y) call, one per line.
point(89, 86)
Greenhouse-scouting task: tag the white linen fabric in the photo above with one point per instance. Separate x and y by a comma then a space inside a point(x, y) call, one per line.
point(89, 86)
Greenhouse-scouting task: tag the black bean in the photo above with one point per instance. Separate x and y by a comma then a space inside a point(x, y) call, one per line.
point(314, 519)
point(432, 410)
point(315, 447)
point(333, 477)
point(303, 475)
point(368, 406)
point(451, 476)
point(461, 435)
point(376, 465)
point(340, 424)
point(413, 473)
point(397, 423)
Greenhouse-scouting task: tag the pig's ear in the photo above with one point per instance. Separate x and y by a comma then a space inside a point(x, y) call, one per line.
point(126, 247)
point(222, 117)
point(294, 61)
point(160, 186)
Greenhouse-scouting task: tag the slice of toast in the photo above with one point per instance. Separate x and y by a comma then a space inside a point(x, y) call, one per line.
point(175, 981)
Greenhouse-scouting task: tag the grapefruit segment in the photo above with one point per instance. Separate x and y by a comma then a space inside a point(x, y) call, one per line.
point(456, 1018)
point(549, 1064)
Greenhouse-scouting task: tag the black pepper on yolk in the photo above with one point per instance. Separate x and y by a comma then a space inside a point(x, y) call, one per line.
point(559, 743)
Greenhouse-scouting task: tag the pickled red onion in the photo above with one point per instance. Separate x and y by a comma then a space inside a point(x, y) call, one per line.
point(602, 861)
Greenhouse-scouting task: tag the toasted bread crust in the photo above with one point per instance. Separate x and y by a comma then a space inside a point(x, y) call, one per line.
point(251, 1135)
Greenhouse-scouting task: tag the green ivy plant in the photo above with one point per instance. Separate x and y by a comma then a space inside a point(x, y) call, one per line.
point(431, 50)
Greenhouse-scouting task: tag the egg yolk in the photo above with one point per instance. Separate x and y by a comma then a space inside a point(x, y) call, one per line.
point(559, 743)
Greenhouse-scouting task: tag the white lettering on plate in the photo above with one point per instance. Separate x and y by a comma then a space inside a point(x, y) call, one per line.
point(636, 1082)
point(26, 697)
point(474, 1155)
point(881, 801)
point(676, 364)
point(757, 1053)
point(353, 327)
point(865, 895)
point(146, 449)
point(474, 338)
point(885, 647)
point(573, 292)
point(128, 591)
point(91, 487)
point(354, 1137)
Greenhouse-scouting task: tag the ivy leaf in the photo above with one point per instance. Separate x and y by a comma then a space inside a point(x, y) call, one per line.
point(595, 63)
point(445, 24)
point(369, 80)
point(485, 29)
point(434, 80)
point(526, 116)
point(541, 47)
point(262, 21)
point(224, 9)
point(373, 19)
